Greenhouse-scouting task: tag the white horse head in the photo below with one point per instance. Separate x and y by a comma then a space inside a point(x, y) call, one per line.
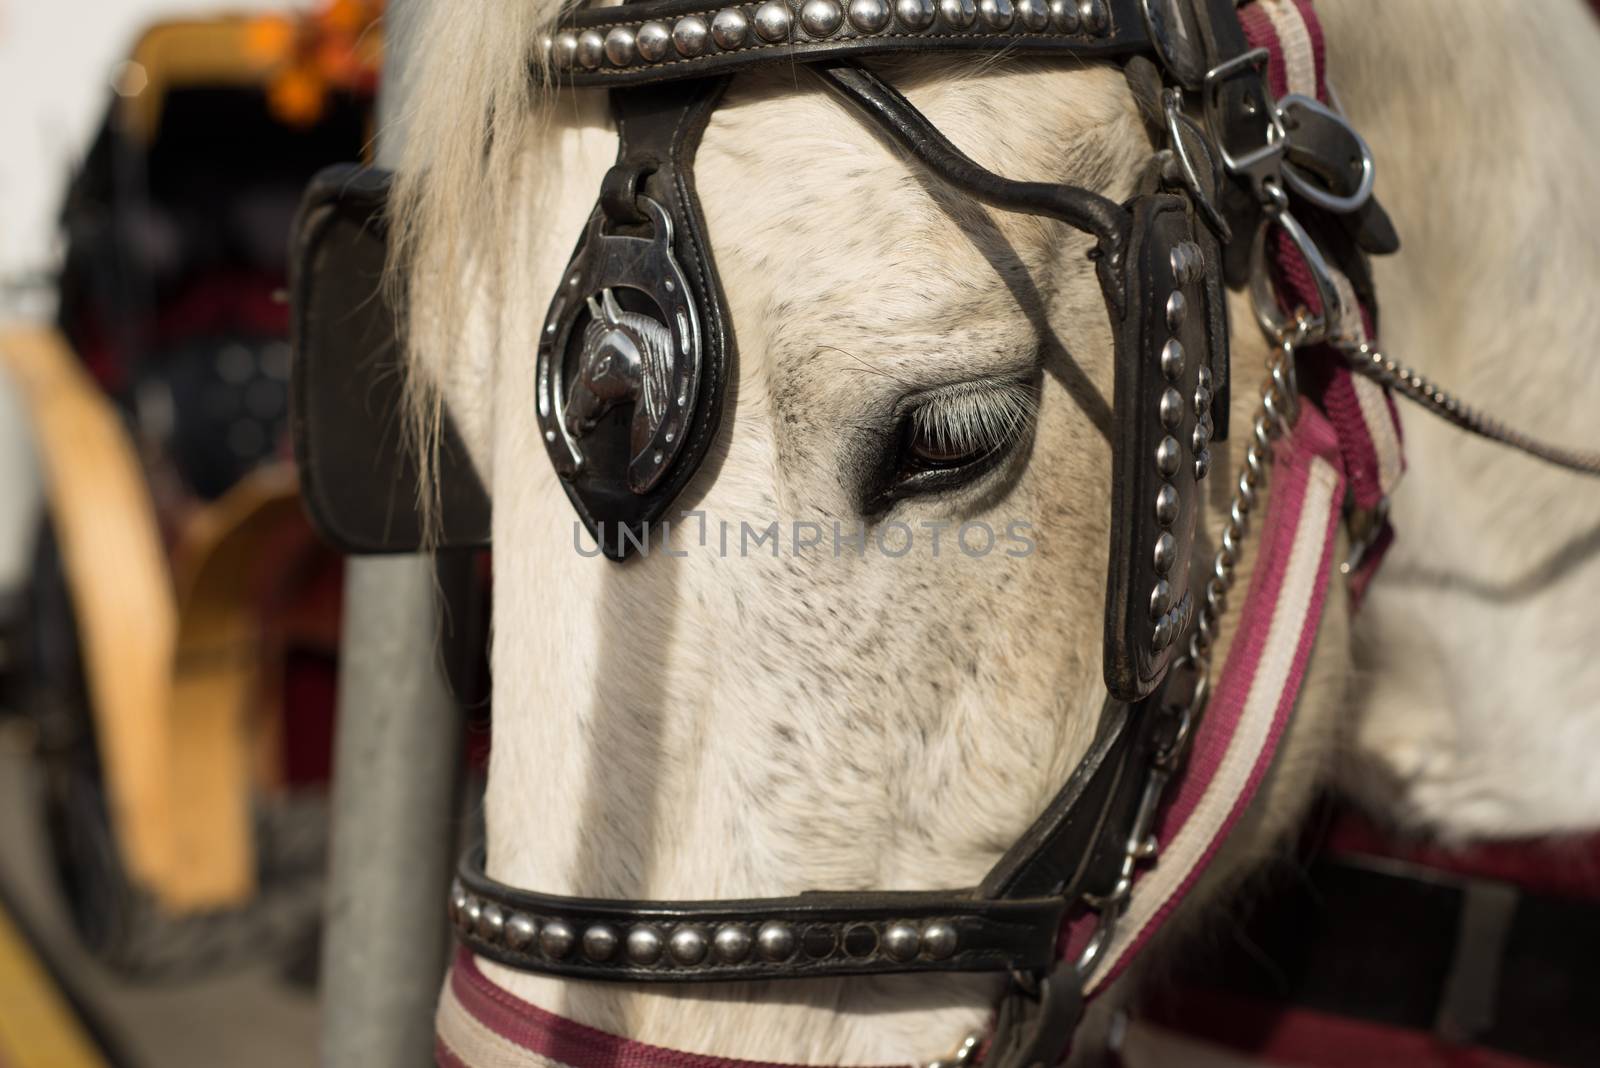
point(736, 722)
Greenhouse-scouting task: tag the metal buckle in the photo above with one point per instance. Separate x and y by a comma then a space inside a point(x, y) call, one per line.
point(1260, 162)
point(1307, 185)
point(1307, 328)
point(1177, 122)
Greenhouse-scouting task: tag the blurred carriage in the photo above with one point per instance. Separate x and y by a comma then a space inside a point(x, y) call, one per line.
point(176, 647)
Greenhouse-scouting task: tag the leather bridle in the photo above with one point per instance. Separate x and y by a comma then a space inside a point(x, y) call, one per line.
point(1160, 262)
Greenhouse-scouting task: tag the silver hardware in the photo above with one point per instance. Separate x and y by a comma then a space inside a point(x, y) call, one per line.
point(689, 36)
point(962, 1055)
point(772, 21)
point(868, 16)
point(939, 941)
point(1202, 464)
point(521, 930)
point(564, 51)
point(1202, 399)
point(1166, 553)
point(470, 912)
point(1263, 161)
point(620, 46)
point(1177, 308)
point(458, 901)
point(1177, 123)
point(491, 922)
point(901, 942)
point(556, 939)
point(1367, 360)
point(998, 14)
point(591, 49)
point(776, 940)
point(1096, 19)
point(732, 943)
point(729, 28)
point(960, 14)
point(915, 14)
point(1168, 456)
point(820, 18)
point(688, 945)
point(652, 40)
point(1171, 408)
point(644, 945)
point(1166, 505)
point(600, 943)
point(1034, 14)
point(1172, 359)
point(1064, 13)
point(1161, 637)
point(1160, 599)
point(1310, 187)
point(1262, 292)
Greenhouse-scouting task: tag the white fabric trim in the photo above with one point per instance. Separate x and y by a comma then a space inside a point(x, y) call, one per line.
point(1375, 410)
point(1299, 62)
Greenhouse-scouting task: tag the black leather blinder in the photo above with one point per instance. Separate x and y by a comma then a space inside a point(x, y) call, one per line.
point(1172, 350)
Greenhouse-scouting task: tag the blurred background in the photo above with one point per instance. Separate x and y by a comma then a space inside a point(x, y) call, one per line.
point(168, 623)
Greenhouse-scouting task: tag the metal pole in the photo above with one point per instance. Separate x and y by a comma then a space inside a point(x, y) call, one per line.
point(397, 766)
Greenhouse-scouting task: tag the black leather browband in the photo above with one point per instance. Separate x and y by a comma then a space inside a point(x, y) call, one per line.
point(1010, 922)
point(669, 40)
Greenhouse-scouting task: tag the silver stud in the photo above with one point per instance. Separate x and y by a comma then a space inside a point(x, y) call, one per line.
point(730, 28)
point(1094, 16)
point(688, 945)
point(600, 943)
point(820, 17)
point(1171, 408)
point(1202, 398)
point(644, 945)
point(776, 941)
point(732, 942)
point(939, 941)
point(1166, 505)
point(491, 922)
point(556, 939)
point(915, 14)
point(619, 46)
point(1166, 553)
point(521, 930)
point(1168, 456)
point(1202, 437)
point(1172, 359)
point(591, 49)
point(1064, 13)
point(564, 52)
point(998, 14)
point(1203, 377)
point(1202, 463)
point(458, 901)
point(689, 36)
point(868, 16)
point(960, 14)
point(1176, 308)
point(1163, 634)
point(1160, 599)
point(773, 21)
point(652, 41)
point(1035, 14)
point(1178, 260)
point(470, 912)
point(901, 942)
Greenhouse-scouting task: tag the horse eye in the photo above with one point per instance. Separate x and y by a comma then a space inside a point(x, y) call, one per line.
point(928, 448)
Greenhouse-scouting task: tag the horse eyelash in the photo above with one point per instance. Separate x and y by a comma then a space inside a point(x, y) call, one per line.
point(975, 418)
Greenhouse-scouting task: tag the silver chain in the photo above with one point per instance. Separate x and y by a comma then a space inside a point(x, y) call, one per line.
point(1367, 360)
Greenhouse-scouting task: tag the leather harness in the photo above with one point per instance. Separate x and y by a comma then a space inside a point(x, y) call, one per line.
point(635, 354)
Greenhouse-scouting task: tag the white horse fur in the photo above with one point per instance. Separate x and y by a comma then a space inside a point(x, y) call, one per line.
point(705, 727)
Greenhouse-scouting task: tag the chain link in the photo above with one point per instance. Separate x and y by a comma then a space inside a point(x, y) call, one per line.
point(1367, 360)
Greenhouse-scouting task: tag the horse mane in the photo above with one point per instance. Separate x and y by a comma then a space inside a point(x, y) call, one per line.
point(479, 92)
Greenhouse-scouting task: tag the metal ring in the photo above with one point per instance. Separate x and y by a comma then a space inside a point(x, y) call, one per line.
point(1306, 186)
point(1269, 314)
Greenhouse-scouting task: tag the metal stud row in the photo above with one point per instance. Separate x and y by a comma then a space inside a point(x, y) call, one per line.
point(773, 22)
point(1188, 266)
point(689, 945)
